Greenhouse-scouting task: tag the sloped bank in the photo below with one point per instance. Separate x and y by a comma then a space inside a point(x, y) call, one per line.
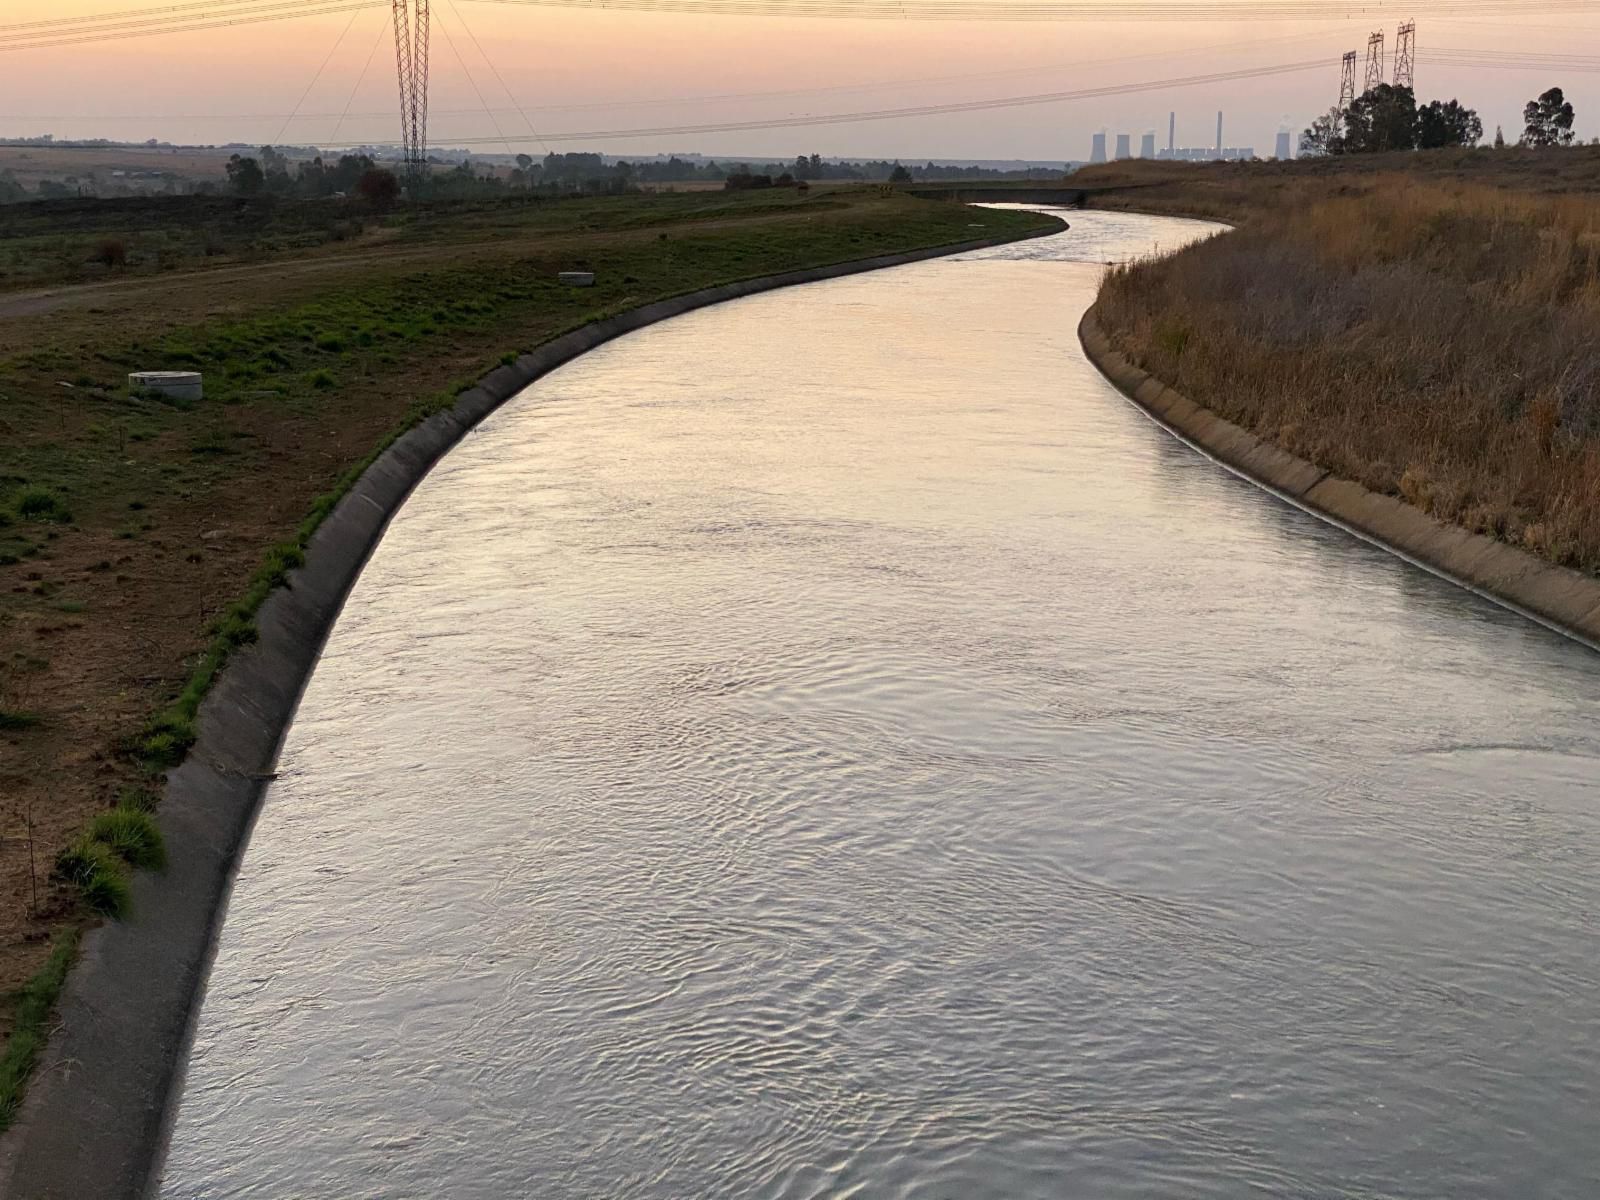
point(1563, 599)
point(96, 1113)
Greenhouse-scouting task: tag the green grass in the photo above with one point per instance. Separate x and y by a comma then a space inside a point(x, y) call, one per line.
point(14, 720)
point(98, 874)
point(34, 1004)
point(131, 834)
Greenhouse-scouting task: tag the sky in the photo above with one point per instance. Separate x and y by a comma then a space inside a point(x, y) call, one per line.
point(572, 71)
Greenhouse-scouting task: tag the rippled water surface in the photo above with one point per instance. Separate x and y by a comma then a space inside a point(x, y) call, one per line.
point(833, 745)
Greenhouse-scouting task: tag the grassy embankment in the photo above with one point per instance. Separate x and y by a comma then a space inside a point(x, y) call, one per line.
point(138, 536)
point(1422, 324)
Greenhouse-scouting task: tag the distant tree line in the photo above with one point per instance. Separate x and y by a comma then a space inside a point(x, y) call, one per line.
point(1389, 118)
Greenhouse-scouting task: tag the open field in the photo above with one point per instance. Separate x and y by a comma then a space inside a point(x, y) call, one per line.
point(136, 534)
point(1422, 324)
point(1237, 191)
point(31, 164)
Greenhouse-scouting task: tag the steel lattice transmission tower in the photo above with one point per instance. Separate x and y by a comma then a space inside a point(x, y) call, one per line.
point(1374, 61)
point(1347, 81)
point(1405, 49)
point(411, 64)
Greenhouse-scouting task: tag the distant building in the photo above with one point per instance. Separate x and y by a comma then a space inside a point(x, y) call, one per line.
point(1098, 153)
point(1122, 147)
point(1284, 153)
point(1147, 146)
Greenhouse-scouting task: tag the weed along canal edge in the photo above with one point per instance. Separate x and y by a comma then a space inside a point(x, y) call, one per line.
point(96, 1111)
point(1563, 599)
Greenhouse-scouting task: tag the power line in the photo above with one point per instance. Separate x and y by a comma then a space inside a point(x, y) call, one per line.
point(164, 12)
point(332, 50)
point(498, 79)
point(220, 21)
point(476, 90)
point(1060, 10)
point(362, 78)
point(1439, 56)
point(213, 14)
point(922, 110)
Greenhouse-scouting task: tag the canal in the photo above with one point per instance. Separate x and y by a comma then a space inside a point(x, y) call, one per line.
point(831, 744)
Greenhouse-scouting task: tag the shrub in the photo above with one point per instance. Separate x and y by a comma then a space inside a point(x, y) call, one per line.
point(111, 252)
point(40, 504)
point(14, 720)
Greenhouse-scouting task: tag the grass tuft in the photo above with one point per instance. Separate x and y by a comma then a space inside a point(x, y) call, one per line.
point(131, 834)
point(98, 873)
point(14, 720)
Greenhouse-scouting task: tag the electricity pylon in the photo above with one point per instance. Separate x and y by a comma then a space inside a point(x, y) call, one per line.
point(1405, 49)
point(1374, 61)
point(1347, 81)
point(411, 64)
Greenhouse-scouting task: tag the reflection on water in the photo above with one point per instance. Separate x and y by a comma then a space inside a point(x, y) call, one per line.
point(831, 744)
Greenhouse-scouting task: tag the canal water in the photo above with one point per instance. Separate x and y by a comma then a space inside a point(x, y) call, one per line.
point(831, 744)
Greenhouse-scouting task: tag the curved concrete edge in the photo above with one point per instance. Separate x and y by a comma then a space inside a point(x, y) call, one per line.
point(95, 1118)
point(1565, 600)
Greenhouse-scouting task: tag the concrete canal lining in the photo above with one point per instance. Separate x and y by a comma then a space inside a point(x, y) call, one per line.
point(96, 1113)
point(1563, 599)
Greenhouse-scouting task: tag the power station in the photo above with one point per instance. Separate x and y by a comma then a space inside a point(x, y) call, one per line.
point(1173, 152)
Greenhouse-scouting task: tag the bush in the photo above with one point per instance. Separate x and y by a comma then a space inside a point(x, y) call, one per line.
point(379, 188)
point(111, 252)
point(40, 504)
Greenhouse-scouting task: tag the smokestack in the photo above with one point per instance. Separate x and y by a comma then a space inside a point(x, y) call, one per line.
point(1147, 146)
point(1219, 135)
point(1172, 132)
point(1122, 146)
point(1098, 153)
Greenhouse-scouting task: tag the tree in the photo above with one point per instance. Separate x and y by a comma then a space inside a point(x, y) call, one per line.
point(1499, 138)
point(1548, 120)
point(378, 187)
point(1447, 124)
point(245, 176)
point(1324, 137)
point(1383, 119)
point(899, 174)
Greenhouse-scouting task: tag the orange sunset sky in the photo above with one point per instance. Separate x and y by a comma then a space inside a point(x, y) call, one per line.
point(615, 70)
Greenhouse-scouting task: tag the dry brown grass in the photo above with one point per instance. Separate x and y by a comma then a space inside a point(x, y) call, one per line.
point(1433, 339)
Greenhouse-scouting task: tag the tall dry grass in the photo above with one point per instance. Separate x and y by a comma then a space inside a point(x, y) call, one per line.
point(1439, 341)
